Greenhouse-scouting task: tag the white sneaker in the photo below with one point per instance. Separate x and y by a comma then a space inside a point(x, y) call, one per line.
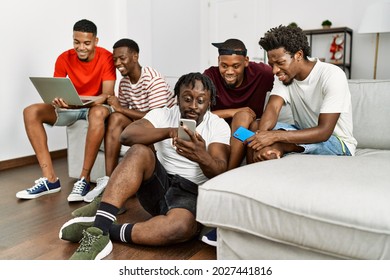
point(101, 183)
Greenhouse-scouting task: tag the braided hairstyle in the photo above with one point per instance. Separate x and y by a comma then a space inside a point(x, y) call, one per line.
point(191, 78)
point(292, 39)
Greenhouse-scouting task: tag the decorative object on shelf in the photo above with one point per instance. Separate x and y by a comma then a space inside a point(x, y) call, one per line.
point(346, 34)
point(293, 24)
point(376, 20)
point(336, 48)
point(326, 24)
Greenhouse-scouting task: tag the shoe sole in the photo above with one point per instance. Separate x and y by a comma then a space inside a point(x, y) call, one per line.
point(74, 221)
point(92, 194)
point(105, 252)
point(32, 196)
point(74, 198)
point(209, 242)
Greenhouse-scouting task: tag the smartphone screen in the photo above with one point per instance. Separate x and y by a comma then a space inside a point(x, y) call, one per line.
point(190, 124)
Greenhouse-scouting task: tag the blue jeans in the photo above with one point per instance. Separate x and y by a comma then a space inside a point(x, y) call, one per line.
point(67, 117)
point(333, 146)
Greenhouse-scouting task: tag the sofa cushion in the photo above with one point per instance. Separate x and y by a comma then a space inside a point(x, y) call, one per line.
point(343, 213)
point(371, 114)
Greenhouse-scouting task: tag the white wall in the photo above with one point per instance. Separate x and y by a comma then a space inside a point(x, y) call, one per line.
point(174, 36)
point(250, 19)
point(33, 34)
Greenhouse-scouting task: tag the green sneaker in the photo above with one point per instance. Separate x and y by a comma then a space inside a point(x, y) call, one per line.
point(91, 209)
point(88, 210)
point(73, 229)
point(94, 245)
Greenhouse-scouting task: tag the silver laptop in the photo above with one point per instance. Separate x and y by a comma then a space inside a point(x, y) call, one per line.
point(50, 88)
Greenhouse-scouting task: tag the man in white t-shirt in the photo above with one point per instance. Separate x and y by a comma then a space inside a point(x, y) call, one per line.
point(164, 172)
point(140, 90)
point(319, 98)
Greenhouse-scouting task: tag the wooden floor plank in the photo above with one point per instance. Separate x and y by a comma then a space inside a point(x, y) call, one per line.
point(29, 228)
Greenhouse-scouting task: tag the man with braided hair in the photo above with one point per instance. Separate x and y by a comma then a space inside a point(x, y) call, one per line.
point(165, 179)
point(319, 98)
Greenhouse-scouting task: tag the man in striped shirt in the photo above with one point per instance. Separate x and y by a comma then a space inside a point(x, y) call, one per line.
point(140, 90)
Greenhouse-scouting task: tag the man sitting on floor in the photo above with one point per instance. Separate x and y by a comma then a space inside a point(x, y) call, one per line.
point(164, 178)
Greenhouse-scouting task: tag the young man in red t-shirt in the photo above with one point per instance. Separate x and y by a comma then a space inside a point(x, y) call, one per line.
point(92, 71)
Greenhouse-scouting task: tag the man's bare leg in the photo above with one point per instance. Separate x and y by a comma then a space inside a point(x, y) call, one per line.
point(137, 166)
point(237, 148)
point(34, 117)
point(178, 225)
point(112, 146)
point(95, 134)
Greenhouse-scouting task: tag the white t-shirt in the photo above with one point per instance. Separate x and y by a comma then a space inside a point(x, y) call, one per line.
point(212, 129)
point(325, 90)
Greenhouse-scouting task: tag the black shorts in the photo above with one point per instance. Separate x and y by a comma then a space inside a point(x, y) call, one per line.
point(164, 192)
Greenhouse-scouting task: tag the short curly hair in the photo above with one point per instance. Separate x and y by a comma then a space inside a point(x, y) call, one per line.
point(189, 80)
point(86, 26)
point(125, 42)
point(292, 39)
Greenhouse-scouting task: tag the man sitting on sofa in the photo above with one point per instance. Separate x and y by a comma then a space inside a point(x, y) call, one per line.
point(242, 87)
point(140, 90)
point(163, 170)
point(92, 72)
point(319, 98)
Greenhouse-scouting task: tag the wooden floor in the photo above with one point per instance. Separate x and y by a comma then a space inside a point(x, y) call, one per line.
point(29, 228)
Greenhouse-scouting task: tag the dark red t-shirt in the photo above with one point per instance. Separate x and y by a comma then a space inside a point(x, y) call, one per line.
point(258, 80)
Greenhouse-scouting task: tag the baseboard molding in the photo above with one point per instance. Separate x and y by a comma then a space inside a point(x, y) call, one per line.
point(19, 162)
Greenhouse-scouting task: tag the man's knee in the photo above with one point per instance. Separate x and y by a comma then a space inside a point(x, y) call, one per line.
point(182, 226)
point(98, 112)
point(139, 151)
point(39, 112)
point(243, 118)
point(117, 120)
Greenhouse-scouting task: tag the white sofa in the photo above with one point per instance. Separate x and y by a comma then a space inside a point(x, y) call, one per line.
point(306, 206)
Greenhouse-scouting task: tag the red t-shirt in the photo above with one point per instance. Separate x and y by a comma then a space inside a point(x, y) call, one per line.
point(87, 77)
point(258, 80)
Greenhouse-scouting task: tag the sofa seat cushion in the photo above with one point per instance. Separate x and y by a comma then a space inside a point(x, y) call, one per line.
point(370, 113)
point(344, 213)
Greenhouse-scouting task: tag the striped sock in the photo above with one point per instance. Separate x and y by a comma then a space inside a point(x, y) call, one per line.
point(121, 233)
point(105, 216)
